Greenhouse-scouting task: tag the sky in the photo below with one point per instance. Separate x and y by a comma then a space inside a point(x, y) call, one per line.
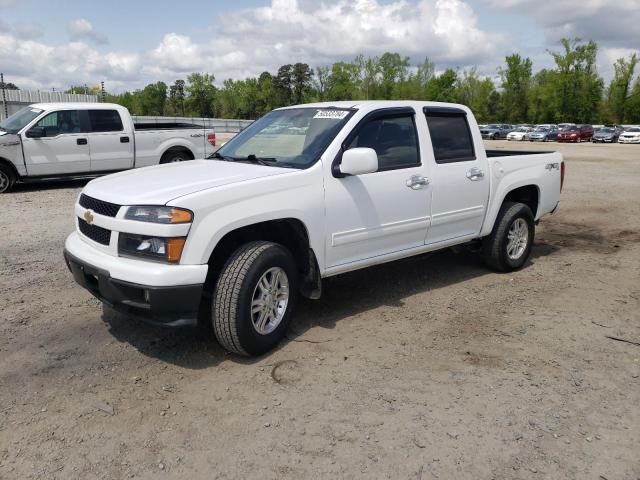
point(127, 44)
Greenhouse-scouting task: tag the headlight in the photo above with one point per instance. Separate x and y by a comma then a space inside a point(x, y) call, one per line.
point(159, 214)
point(152, 248)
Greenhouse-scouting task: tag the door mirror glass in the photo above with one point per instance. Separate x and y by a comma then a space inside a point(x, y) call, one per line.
point(359, 161)
point(36, 132)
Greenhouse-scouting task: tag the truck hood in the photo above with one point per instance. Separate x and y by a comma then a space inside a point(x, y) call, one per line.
point(160, 184)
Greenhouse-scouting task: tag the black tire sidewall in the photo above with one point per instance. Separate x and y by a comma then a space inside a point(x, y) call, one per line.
point(250, 340)
point(170, 157)
point(10, 178)
point(511, 215)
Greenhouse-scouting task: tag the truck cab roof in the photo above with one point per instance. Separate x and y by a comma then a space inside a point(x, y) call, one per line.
point(77, 106)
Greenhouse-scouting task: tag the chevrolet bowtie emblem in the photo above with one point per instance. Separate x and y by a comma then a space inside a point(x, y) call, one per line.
point(88, 217)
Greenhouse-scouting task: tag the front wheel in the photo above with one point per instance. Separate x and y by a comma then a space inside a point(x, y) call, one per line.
point(7, 179)
point(254, 298)
point(511, 240)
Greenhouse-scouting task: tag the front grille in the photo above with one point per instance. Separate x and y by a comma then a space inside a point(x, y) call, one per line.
point(94, 232)
point(99, 206)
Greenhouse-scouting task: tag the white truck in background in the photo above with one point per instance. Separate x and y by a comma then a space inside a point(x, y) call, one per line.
point(48, 141)
point(304, 193)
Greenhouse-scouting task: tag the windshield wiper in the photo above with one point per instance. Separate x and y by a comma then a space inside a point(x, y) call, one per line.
point(269, 162)
point(221, 157)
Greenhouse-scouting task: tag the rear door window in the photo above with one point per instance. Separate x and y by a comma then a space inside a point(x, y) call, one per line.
point(105, 121)
point(450, 136)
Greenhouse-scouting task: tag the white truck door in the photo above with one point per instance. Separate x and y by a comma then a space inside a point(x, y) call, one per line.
point(460, 176)
point(385, 211)
point(111, 145)
point(62, 150)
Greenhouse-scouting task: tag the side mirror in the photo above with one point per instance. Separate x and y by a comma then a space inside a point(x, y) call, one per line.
point(36, 132)
point(358, 161)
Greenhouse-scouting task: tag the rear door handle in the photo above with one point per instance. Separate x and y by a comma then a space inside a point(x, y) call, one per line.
point(81, 141)
point(416, 182)
point(124, 139)
point(475, 174)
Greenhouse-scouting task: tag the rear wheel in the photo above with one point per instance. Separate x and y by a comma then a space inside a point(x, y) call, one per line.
point(175, 156)
point(254, 298)
point(509, 245)
point(7, 179)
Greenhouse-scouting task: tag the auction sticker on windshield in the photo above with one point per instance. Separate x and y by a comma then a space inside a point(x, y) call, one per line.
point(333, 114)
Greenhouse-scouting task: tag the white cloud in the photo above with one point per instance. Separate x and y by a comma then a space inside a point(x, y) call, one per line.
point(251, 40)
point(610, 22)
point(82, 29)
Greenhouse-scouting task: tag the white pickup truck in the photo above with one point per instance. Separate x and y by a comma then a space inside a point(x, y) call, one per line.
point(304, 193)
point(47, 141)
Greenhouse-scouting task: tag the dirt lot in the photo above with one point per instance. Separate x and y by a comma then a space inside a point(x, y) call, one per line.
point(425, 368)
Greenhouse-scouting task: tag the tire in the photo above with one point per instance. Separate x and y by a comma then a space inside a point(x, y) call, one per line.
point(237, 290)
point(7, 179)
point(175, 156)
point(514, 219)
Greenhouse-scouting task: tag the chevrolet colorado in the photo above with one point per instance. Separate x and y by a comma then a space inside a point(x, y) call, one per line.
point(304, 193)
point(47, 141)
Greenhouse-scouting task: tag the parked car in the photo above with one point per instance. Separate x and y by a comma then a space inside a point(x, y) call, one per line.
point(48, 141)
point(543, 134)
point(496, 131)
point(565, 126)
point(519, 134)
point(605, 135)
point(579, 133)
point(238, 238)
point(631, 135)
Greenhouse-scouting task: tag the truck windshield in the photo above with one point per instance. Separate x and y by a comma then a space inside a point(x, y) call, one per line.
point(293, 137)
point(20, 119)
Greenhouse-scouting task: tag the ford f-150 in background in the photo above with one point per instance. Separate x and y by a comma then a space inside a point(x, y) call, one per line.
point(304, 193)
point(61, 140)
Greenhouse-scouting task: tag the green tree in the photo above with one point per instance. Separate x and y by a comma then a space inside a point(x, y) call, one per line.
point(544, 100)
point(442, 88)
point(343, 81)
point(516, 83)
point(579, 85)
point(152, 99)
point(201, 94)
point(284, 85)
point(393, 72)
point(475, 92)
point(176, 96)
point(300, 82)
point(632, 108)
point(620, 87)
point(321, 79)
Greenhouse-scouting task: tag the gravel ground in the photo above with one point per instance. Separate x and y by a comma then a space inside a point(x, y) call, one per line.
point(426, 368)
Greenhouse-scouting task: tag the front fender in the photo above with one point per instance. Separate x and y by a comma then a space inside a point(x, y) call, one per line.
point(221, 210)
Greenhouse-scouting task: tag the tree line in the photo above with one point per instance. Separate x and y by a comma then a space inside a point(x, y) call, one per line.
point(571, 91)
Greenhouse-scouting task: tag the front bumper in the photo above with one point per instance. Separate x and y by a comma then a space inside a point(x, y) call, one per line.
point(628, 140)
point(152, 301)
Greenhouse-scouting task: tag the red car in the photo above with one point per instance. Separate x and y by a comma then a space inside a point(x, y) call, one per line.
point(578, 133)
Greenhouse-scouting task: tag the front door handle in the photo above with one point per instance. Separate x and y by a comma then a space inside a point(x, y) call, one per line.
point(475, 174)
point(124, 139)
point(81, 141)
point(416, 182)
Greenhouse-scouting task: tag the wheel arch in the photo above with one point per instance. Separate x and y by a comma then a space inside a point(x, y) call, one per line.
point(289, 232)
point(525, 192)
point(12, 167)
point(177, 148)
